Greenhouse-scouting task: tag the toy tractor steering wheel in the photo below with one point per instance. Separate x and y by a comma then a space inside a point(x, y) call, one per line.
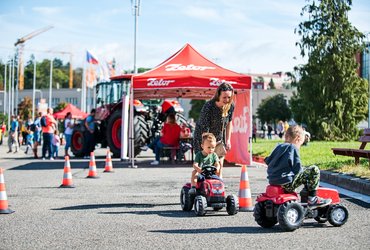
point(209, 170)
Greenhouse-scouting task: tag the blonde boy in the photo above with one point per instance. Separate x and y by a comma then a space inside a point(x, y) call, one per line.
point(285, 168)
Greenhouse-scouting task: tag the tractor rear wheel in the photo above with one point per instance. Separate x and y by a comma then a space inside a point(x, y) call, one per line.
point(114, 133)
point(77, 141)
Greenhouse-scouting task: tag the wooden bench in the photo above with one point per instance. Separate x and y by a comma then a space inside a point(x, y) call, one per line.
point(173, 152)
point(357, 153)
point(170, 152)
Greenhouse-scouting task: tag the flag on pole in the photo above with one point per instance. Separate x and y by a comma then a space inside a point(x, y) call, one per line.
point(90, 58)
point(111, 68)
point(90, 77)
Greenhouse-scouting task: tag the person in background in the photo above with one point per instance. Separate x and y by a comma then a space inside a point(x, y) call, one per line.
point(269, 131)
point(185, 131)
point(29, 141)
point(89, 137)
point(36, 134)
point(3, 130)
point(264, 129)
point(280, 129)
point(254, 132)
point(215, 117)
point(68, 130)
point(170, 136)
point(56, 144)
point(13, 135)
point(48, 133)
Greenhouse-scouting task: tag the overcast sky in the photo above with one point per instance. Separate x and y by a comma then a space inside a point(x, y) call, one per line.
point(246, 36)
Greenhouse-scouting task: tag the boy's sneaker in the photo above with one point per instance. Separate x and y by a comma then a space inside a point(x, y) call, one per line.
point(316, 202)
point(192, 190)
point(144, 148)
point(154, 163)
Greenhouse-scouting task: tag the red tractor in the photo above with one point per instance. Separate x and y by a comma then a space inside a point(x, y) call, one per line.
point(148, 118)
point(290, 209)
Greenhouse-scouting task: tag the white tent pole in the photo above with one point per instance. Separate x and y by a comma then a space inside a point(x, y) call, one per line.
point(5, 79)
point(125, 118)
point(251, 123)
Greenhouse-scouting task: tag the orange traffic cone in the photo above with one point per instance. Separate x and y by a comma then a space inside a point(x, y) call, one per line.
point(108, 163)
point(92, 167)
point(245, 197)
point(3, 198)
point(67, 176)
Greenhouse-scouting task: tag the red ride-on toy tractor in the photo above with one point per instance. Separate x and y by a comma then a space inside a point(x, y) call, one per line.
point(275, 205)
point(210, 192)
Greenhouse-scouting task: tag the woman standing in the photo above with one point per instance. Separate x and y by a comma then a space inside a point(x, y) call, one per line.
point(68, 130)
point(215, 117)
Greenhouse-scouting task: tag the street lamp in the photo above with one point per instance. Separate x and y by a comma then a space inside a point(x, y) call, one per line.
point(51, 82)
point(33, 89)
point(136, 9)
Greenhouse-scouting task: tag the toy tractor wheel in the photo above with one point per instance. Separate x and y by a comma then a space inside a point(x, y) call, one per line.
point(232, 204)
point(337, 215)
point(186, 200)
point(260, 217)
point(200, 205)
point(290, 216)
point(322, 215)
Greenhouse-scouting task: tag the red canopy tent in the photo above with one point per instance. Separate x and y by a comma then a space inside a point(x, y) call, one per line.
point(186, 74)
point(76, 112)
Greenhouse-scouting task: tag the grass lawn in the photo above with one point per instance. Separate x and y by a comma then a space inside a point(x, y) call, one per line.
point(320, 154)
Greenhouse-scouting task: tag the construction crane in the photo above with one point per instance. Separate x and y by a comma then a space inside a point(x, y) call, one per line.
point(20, 46)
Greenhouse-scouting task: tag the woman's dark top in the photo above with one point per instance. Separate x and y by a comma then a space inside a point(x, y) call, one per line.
point(210, 120)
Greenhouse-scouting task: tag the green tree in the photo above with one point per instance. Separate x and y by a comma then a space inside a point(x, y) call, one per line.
point(273, 109)
point(25, 108)
point(259, 79)
point(196, 107)
point(331, 98)
point(60, 107)
point(60, 74)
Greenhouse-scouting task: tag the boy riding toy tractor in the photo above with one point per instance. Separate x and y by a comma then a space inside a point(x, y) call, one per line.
point(277, 206)
point(210, 192)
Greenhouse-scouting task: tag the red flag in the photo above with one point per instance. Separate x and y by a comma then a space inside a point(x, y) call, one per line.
point(90, 58)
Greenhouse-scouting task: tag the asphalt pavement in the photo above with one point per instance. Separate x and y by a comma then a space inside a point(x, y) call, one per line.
point(140, 209)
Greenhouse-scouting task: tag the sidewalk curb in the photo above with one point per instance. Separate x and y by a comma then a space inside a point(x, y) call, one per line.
point(355, 184)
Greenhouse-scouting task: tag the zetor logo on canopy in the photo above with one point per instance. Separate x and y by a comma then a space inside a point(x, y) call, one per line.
point(159, 82)
point(217, 82)
point(180, 67)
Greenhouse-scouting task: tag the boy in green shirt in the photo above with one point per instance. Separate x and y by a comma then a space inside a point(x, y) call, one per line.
point(206, 157)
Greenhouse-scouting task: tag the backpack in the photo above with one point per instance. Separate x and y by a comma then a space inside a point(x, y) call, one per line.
point(43, 121)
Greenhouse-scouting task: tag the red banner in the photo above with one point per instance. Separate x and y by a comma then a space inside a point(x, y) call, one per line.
point(241, 133)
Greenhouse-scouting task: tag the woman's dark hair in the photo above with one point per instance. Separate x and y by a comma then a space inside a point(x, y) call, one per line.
point(68, 114)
